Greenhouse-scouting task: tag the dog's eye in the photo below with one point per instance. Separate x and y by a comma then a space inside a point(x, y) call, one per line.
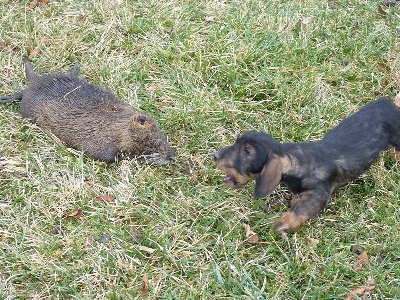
point(247, 150)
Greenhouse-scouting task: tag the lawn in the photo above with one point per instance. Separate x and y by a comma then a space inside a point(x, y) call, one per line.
point(207, 71)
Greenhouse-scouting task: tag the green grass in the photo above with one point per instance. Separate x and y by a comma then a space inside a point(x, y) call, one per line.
point(256, 66)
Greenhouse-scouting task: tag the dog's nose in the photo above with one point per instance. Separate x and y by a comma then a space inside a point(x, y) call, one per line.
point(217, 155)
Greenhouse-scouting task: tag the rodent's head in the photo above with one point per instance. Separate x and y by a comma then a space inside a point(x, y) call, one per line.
point(145, 141)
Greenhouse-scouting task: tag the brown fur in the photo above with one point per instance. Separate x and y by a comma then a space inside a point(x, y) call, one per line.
point(89, 118)
point(289, 221)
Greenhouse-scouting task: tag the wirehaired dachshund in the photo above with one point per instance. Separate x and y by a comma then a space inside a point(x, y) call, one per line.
point(311, 170)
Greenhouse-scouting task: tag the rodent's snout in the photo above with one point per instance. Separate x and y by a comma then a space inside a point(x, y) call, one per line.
point(216, 156)
point(171, 155)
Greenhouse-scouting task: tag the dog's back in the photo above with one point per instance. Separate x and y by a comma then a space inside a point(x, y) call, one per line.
point(380, 116)
point(356, 142)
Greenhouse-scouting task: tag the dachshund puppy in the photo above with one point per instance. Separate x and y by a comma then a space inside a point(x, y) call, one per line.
point(311, 170)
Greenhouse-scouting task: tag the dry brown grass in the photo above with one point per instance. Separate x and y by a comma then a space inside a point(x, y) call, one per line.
point(256, 66)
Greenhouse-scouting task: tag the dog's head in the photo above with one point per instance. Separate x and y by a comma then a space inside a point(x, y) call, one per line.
point(254, 155)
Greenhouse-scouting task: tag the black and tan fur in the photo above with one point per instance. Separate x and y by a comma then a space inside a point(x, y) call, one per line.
point(311, 170)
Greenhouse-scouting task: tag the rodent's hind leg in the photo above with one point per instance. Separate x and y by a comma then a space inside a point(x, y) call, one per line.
point(76, 69)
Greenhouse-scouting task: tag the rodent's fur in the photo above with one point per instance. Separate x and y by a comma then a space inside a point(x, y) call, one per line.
point(89, 118)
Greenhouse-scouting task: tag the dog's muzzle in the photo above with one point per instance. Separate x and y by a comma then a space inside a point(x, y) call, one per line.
point(216, 156)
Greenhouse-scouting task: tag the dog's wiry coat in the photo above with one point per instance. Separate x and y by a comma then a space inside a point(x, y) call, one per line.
point(311, 170)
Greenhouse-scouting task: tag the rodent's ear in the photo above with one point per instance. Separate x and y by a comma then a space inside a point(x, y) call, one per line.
point(139, 120)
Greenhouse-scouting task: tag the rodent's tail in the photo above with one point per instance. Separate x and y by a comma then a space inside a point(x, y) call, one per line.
point(28, 70)
point(8, 99)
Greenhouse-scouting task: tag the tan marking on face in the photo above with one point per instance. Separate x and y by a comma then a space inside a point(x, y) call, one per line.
point(289, 222)
point(220, 163)
point(238, 180)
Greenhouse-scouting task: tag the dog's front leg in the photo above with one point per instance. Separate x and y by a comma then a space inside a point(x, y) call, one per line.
point(303, 206)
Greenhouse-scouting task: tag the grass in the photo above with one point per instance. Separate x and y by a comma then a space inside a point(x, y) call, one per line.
point(258, 65)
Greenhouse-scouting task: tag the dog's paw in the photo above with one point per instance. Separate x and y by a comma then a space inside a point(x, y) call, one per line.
point(289, 222)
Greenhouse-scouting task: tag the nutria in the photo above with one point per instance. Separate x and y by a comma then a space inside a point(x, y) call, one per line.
point(89, 118)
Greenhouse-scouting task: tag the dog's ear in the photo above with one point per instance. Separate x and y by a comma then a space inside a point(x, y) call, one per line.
point(269, 177)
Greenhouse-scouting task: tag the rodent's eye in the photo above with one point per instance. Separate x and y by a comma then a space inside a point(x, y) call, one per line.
point(141, 120)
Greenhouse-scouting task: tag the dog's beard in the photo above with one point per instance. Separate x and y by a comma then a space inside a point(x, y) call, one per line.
point(236, 181)
point(227, 179)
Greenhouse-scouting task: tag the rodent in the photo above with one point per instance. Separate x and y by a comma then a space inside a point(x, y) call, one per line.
point(89, 118)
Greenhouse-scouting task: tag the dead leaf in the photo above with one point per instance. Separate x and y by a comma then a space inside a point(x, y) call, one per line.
point(382, 11)
point(89, 242)
point(357, 266)
point(165, 103)
point(361, 261)
point(34, 52)
point(32, 6)
point(382, 66)
point(151, 88)
point(252, 237)
point(135, 236)
point(184, 254)
point(353, 294)
point(363, 257)
point(365, 290)
point(75, 214)
point(147, 249)
point(145, 284)
point(209, 19)
point(105, 198)
point(307, 20)
point(313, 243)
